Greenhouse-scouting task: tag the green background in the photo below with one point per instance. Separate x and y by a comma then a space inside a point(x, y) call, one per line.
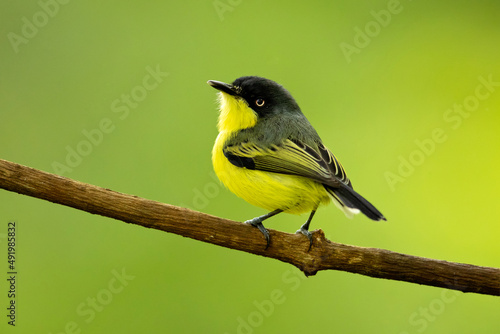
point(371, 107)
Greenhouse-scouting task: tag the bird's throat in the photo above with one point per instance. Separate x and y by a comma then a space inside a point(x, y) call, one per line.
point(235, 114)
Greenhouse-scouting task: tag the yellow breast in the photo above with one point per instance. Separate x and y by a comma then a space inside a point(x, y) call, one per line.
point(271, 191)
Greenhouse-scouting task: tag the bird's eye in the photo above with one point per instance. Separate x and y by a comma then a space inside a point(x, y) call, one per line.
point(259, 102)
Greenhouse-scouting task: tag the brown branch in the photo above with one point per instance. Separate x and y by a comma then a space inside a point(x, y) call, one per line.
point(290, 248)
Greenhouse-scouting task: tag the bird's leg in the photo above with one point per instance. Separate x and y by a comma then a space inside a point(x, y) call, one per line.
point(257, 222)
point(304, 229)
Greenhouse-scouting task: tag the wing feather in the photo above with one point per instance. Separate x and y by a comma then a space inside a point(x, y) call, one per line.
point(290, 157)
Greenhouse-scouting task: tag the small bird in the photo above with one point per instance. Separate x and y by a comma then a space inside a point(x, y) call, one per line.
point(269, 154)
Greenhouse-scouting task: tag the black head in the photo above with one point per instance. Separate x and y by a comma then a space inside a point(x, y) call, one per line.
point(264, 96)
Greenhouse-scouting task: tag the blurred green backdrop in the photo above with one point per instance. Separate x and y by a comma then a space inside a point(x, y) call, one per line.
point(406, 94)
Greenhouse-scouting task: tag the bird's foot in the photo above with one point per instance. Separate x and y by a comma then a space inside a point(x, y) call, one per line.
point(258, 223)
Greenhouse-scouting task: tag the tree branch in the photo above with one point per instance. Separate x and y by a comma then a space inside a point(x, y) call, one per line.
point(290, 248)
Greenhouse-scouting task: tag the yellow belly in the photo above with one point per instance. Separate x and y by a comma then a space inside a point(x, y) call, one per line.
point(271, 191)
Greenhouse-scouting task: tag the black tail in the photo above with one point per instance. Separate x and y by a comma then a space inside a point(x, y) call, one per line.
point(353, 200)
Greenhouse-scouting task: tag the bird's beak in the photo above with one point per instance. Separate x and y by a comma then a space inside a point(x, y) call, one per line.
point(224, 87)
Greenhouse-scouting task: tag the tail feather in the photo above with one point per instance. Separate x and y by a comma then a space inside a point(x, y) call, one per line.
point(350, 202)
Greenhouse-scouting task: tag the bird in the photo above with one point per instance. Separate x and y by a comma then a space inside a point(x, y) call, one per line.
point(269, 154)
